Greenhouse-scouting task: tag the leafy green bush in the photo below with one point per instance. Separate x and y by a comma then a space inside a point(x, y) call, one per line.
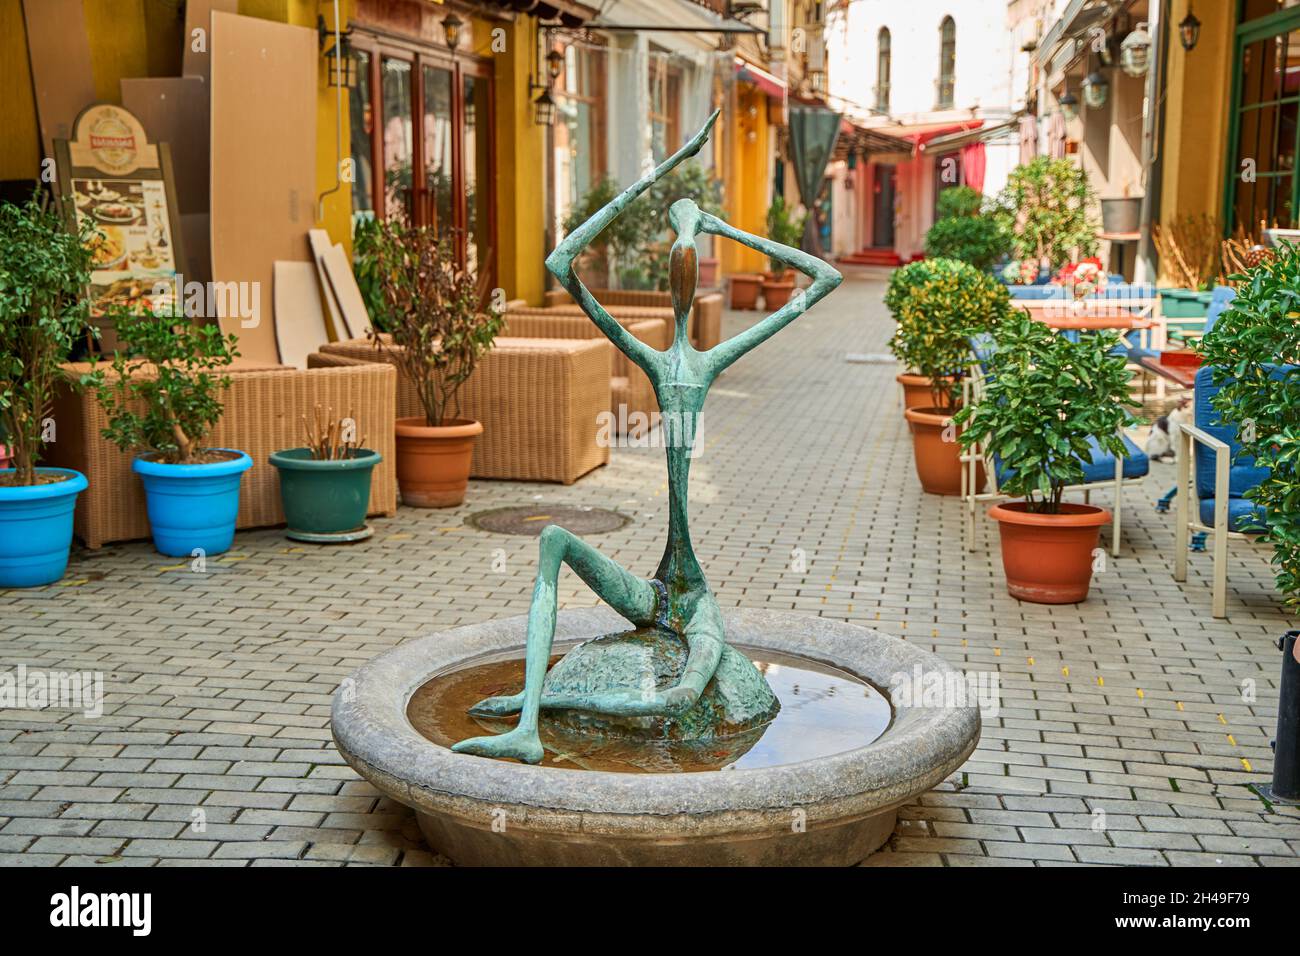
point(1045, 209)
point(958, 201)
point(978, 240)
point(44, 268)
point(1045, 396)
point(784, 227)
point(1254, 348)
point(163, 397)
point(440, 316)
point(939, 304)
point(365, 267)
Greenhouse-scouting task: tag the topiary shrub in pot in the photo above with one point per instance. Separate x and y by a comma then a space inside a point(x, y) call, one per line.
point(939, 304)
point(325, 484)
point(787, 229)
point(44, 269)
point(1048, 402)
point(1046, 210)
point(162, 398)
point(441, 322)
point(960, 232)
point(1254, 351)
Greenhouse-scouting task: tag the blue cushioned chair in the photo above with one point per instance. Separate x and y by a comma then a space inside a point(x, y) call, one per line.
point(1212, 482)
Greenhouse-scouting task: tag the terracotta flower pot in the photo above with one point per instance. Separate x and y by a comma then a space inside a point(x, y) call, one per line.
point(433, 462)
point(916, 391)
point(744, 290)
point(1048, 557)
point(937, 453)
point(708, 274)
point(776, 293)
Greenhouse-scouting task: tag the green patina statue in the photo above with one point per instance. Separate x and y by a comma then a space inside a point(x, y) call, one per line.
point(675, 677)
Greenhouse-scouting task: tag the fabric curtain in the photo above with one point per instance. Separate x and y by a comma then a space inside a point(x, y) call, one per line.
point(813, 134)
point(1028, 139)
point(973, 162)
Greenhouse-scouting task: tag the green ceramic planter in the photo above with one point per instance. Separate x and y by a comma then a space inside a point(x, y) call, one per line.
point(1184, 303)
point(325, 501)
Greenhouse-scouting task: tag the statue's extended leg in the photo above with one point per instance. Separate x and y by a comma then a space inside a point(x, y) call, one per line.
point(626, 593)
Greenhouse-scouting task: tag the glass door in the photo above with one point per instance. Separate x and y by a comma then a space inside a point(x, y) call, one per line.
point(432, 142)
point(1261, 187)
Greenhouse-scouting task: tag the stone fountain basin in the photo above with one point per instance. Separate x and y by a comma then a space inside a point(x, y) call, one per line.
point(833, 810)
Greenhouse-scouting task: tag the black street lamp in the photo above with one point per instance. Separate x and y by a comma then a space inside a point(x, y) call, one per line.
point(544, 108)
point(1189, 30)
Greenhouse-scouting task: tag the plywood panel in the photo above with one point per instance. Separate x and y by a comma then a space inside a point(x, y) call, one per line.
point(198, 17)
point(196, 228)
point(299, 321)
point(343, 284)
point(319, 240)
point(174, 110)
point(59, 48)
point(263, 177)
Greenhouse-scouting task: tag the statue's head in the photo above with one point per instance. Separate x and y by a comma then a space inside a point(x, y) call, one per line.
point(683, 268)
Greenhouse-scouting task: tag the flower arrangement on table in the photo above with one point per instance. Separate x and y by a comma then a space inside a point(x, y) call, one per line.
point(1083, 278)
point(1022, 272)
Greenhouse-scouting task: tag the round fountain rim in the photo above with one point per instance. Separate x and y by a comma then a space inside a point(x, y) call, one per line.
point(919, 749)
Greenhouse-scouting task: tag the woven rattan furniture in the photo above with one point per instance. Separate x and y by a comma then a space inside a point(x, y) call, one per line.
point(706, 316)
point(539, 400)
point(629, 386)
point(263, 413)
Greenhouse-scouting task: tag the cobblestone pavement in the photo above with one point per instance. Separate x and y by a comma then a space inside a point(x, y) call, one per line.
point(1127, 731)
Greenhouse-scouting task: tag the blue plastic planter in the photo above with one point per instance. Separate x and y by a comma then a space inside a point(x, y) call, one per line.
point(192, 506)
point(36, 529)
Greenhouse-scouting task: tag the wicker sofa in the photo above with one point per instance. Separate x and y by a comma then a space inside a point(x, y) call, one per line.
point(264, 407)
point(539, 401)
point(629, 385)
point(706, 316)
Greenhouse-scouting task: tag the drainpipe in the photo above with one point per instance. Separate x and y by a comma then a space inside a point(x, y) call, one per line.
point(338, 119)
point(1144, 271)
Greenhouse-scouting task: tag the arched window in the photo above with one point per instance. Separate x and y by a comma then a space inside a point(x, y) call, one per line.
point(882, 70)
point(947, 62)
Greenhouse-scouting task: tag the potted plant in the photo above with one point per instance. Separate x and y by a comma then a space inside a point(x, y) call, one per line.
point(1189, 248)
point(441, 322)
point(44, 268)
point(1045, 210)
point(787, 229)
point(961, 233)
point(1046, 400)
point(940, 305)
point(325, 484)
point(162, 399)
point(1254, 349)
point(685, 182)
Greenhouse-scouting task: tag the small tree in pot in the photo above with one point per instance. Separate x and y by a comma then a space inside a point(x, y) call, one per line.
point(441, 321)
point(325, 484)
point(44, 268)
point(1048, 403)
point(785, 227)
point(162, 399)
point(939, 305)
point(1254, 349)
point(1046, 209)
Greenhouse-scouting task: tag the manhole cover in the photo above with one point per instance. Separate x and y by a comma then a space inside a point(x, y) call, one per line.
point(531, 519)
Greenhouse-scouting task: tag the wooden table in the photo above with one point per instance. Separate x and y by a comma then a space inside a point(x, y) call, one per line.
point(1182, 375)
point(1085, 316)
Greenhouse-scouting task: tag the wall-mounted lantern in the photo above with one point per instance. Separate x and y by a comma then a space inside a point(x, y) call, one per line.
point(1095, 90)
point(451, 25)
point(1135, 52)
point(1189, 30)
point(340, 62)
point(1069, 104)
point(544, 108)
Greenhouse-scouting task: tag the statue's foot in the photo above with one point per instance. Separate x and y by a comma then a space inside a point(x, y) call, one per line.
point(502, 706)
point(520, 744)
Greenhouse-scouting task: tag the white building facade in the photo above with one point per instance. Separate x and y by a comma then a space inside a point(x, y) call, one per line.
point(939, 74)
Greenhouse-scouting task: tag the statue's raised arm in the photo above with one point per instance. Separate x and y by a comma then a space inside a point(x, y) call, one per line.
point(825, 278)
point(560, 262)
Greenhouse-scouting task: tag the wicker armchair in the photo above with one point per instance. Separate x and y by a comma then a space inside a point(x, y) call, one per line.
point(540, 402)
point(629, 385)
point(263, 413)
point(706, 316)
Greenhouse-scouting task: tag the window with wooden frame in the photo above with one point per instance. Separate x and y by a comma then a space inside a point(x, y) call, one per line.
point(946, 83)
point(421, 139)
point(580, 144)
point(665, 105)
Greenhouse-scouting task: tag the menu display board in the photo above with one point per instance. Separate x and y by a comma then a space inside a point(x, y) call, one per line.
point(110, 175)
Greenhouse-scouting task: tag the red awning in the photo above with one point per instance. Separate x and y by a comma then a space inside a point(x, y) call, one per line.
point(921, 133)
point(773, 86)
